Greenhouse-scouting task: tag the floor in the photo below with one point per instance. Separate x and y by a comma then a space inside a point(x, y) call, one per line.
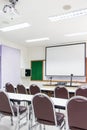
point(5, 124)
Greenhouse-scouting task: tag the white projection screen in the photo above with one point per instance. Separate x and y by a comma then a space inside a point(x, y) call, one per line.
point(64, 60)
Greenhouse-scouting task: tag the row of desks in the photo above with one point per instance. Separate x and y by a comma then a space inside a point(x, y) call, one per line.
point(50, 90)
point(58, 102)
point(27, 97)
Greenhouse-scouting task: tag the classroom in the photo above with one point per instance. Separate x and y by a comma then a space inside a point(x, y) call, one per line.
point(43, 44)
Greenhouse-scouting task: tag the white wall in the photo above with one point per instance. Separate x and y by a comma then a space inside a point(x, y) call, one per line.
point(28, 54)
point(10, 65)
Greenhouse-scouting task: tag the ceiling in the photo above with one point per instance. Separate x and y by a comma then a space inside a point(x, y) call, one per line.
point(36, 13)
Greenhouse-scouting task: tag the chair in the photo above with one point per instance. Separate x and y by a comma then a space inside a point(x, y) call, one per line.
point(44, 111)
point(21, 89)
point(77, 113)
point(9, 88)
point(81, 91)
point(61, 92)
point(9, 109)
point(33, 89)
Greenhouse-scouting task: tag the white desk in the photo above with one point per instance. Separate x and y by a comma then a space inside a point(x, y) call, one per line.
point(20, 97)
point(58, 102)
point(51, 88)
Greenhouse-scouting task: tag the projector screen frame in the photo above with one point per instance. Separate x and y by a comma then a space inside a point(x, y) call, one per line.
point(63, 46)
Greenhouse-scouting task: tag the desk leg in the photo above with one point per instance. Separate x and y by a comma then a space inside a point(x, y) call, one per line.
point(29, 116)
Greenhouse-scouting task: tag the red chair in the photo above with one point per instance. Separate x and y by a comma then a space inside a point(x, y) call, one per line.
point(77, 113)
point(33, 89)
point(44, 111)
point(81, 91)
point(12, 110)
point(21, 89)
point(61, 92)
point(9, 88)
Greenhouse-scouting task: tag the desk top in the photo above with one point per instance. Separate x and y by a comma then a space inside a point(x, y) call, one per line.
point(51, 88)
point(20, 97)
point(66, 84)
point(58, 102)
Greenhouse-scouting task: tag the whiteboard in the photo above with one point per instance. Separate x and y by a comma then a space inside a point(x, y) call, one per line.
point(65, 60)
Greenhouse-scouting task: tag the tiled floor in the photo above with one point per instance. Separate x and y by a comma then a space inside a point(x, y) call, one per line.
point(5, 124)
point(8, 127)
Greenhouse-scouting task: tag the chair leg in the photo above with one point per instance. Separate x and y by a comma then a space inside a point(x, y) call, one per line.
point(27, 115)
point(11, 120)
point(63, 126)
point(30, 117)
point(44, 127)
point(40, 127)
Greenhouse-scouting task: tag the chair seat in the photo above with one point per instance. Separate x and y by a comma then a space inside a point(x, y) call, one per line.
point(77, 113)
point(9, 109)
point(60, 118)
point(6, 113)
point(44, 111)
point(46, 122)
point(22, 109)
point(74, 128)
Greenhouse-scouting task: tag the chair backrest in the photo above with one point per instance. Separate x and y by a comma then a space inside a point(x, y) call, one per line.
point(81, 91)
point(77, 113)
point(21, 89)
point(5, 106)
point(61, 92)
point(9, 88)
point(34, 89)
point(43, 109)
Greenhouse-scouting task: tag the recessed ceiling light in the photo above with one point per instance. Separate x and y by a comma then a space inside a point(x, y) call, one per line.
point(66, 7)
point(39, 39)
point(68, 15)
point(75, 34)
point(15, 27)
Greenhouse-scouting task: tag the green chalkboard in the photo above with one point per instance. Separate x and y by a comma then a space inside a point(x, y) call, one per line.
point(37, 70)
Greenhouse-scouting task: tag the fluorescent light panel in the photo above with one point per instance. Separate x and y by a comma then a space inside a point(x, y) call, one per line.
point(76, 34)
point(15, 27)
point(68, 15)
point(39, 39)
